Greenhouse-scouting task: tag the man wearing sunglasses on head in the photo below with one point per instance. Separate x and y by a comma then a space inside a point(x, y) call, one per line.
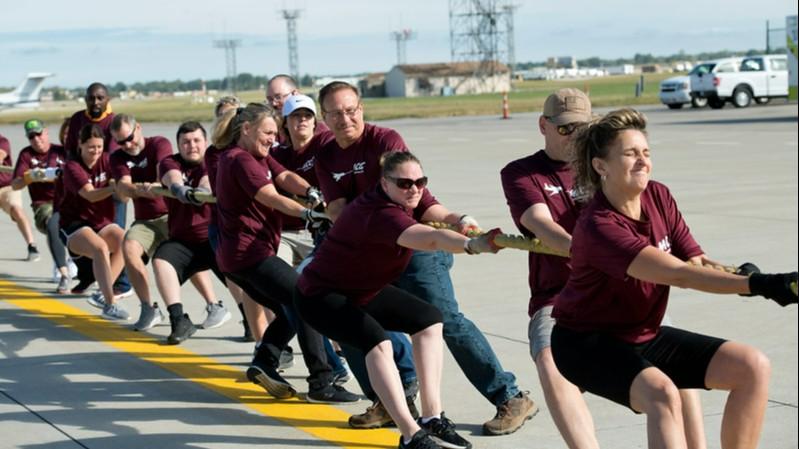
point(350, 166)
point(541, 196)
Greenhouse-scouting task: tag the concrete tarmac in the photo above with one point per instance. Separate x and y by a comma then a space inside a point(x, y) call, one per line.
point(70, 380)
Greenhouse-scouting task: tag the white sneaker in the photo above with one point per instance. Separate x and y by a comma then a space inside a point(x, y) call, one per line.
point(73, 269)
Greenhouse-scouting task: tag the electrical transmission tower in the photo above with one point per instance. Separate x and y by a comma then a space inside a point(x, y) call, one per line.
point(291, 16)
point(229, 45)
point(402, 37)
point(476, 28)
point(510, 36)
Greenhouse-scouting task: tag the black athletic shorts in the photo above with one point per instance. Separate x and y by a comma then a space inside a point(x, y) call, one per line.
point(188, 259)
point(66, 232)
point(606, 366)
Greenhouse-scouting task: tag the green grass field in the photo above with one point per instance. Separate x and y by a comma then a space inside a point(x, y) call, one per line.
point(526, 96)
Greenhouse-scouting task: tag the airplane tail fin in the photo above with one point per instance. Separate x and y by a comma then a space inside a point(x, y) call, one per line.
point(30, 89)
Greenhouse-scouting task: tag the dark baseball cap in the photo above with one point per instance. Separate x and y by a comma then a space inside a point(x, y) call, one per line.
point(567, 106)
point(33, 126)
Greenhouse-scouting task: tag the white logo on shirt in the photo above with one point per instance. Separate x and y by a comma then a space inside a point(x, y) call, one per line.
point(665, 245)
point(35, 162)
point(308, 165)
point(59, 161)
point(357, 168)
point(142, 164)
point(99, 179)
point(554, 190)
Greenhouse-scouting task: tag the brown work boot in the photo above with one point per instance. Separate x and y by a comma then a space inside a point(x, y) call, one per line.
point(377, 416)
point(511, 415)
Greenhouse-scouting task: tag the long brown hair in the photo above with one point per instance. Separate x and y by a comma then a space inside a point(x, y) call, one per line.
point(228, 128)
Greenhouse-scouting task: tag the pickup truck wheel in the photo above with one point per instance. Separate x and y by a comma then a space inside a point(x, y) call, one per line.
point(675, 105)
point(697, 102)
point(762, 100)
point(741, 97)
point(715, 102)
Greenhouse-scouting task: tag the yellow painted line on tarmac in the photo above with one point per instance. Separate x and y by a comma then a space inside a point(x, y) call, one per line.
point(321, 421)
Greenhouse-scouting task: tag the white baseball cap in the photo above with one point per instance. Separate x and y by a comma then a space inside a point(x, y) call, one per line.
point(298, 101)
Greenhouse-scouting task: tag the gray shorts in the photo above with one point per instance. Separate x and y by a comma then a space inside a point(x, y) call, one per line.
point(539, 331)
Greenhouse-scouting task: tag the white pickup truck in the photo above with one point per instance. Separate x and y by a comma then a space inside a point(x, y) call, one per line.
point(740, 80)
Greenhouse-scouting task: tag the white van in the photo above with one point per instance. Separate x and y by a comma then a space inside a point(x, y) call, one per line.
point(741, 80)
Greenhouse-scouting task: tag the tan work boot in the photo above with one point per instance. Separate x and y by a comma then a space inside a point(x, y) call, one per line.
point(377, 416)
point(511, 415)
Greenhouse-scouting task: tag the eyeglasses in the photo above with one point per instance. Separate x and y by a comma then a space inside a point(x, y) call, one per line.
point(127, 139)
point(277, 97)
point(564, 130)
point(32, 135)
point(338, 115)
point(406, 183)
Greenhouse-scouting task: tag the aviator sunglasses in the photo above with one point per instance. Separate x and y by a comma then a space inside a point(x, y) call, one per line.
point(564, 130)
point(406, 183)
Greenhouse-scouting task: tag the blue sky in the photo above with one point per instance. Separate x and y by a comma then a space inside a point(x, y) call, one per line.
point(152, 40)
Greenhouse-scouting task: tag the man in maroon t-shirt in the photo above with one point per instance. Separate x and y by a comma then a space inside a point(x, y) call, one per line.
point(38, 166)
point(278, 90)
point(188, 253)
point(135, 168)
point(349, 166)
point(11, 201)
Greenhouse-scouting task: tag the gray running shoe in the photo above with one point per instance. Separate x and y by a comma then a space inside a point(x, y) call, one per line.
point(115, 312)
point(149, 317)
point(97, 300)
point(63, 285)
point(217, 315)
point(33, 253)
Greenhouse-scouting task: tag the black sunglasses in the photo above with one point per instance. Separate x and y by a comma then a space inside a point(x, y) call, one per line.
point(32, 135)
point(564, 130)
point(127, 139)
point(406, 183)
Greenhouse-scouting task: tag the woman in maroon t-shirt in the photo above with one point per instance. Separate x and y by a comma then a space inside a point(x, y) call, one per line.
point(249, 234)
point(345, 291)
point(87, 218)
point(629, 245)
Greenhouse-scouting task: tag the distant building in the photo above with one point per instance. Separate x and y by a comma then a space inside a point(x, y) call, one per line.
point(373, 85)
point(624, 69)
point(651, 68)
point(420, 80)
point(562, 62)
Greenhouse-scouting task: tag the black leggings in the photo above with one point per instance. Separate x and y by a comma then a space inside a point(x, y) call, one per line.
point(54, 242)
point(364, 327)
point(271, 283)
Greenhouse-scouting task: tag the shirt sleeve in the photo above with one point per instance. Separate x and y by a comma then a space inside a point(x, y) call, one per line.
point(611, 246)
point(274, 166)
point(119, 166)
point(74, 177)
point(391, 222)
point(250, 175)
point(23, 164)
point(520, 190)
point(683, 245)
point(163, 149)
point(392, 141)
point(168, 163)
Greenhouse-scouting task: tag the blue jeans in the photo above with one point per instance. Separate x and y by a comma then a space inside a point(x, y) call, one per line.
point(122, 283)
point(427, 277)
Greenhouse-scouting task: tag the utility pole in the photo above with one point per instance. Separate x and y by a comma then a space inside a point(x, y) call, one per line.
point(402, 37)
point(229, 45)
point(291, 16)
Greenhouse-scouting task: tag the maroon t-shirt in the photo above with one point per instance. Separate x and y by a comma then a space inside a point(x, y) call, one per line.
point(302, 164)
point(249, 232)
point(346, 173)
point(358, 267)
point(81, 119)
point(76, 208)
point(187, 223)
point(40, 192)
point(599, 295)
point(211, 157)
point(537, 179)
point(5, 178)
point(143, 168)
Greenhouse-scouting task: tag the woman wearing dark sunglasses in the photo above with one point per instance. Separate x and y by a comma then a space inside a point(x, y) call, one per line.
point(355, 303)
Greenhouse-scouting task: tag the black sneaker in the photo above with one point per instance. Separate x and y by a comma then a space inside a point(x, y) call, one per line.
point(82, 286)
point(442, 431)
point(33, 253)
point(420, 440)
point(268, 378)
point(247, 338)
point(331, 394)
point(182, 329)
